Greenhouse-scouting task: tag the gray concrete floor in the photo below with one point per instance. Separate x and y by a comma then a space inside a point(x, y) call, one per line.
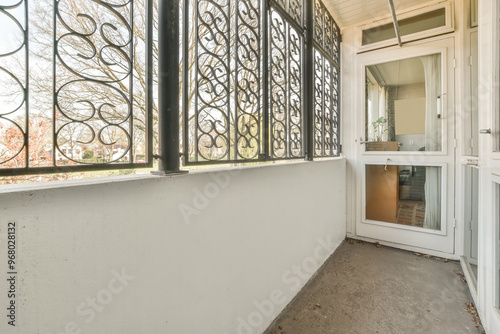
point(368, 289)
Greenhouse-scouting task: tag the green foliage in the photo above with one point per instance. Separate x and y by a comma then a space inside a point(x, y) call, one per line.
point(88, 154)
point(380, 127)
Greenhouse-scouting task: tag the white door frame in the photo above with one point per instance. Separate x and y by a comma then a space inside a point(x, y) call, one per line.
point(433, 242)
point(489, 161)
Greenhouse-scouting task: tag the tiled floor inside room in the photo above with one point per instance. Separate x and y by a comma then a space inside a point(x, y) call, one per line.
point(411, 213)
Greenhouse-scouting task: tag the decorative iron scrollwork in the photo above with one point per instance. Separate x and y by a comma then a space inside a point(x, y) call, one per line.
point(14, 80)
point(296, 10)
point(285, 89)
point(326, 86)
point(227, 109)
point(326, 31)
point(71, 85)
point(93, 84)
point(248, 80)
point(319, 104)
point(319, 15)
point(326, 106)
point(293, 8)
point(244, 96)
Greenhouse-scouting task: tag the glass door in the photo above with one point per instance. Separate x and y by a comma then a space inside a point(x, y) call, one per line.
point(406, 146)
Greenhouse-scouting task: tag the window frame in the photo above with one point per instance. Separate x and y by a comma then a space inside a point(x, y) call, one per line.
point(169, 153)
point(55, 148)
point(305, 31)
point(412, 12)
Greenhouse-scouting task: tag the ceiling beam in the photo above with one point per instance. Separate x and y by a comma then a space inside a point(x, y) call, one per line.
point(395, 21)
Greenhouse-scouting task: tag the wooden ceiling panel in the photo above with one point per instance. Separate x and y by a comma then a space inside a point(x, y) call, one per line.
point(356, 12)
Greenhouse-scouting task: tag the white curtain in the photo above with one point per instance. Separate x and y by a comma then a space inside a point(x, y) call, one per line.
point(432, 70)
point(372, 109)
point(377, 107)
point(382, 111)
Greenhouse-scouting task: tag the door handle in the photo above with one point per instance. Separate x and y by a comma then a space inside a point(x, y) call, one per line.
point(361, 141)
point(470, 162)
point(485, 131)
point(386, 164)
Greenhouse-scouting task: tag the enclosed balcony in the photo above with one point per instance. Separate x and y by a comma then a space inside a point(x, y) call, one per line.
point(250, 166)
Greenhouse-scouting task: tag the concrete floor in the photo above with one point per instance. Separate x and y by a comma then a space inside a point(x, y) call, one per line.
point(368, 289)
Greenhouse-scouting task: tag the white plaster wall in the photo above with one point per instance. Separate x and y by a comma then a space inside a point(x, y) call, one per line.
point(350, 122)
point(243, 254)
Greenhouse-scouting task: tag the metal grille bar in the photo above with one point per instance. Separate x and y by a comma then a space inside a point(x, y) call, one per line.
point(286, 88)
point(101, 88)
point(14, 121)
point(326, 120)
point(245, 94)
point(223, 95)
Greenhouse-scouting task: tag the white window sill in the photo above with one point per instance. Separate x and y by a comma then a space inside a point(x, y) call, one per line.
point(36, 186)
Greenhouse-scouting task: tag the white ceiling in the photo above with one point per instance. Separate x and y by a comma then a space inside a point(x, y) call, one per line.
point(402, 72)
point(356, 12)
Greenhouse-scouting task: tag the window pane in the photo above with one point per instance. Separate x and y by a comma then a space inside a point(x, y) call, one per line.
point(471, 215)
point(497, 218)
point(405, 195)
point(473, 13)
point(404, 105)
point(496, 130)
point(426, 21)
point(474, 82)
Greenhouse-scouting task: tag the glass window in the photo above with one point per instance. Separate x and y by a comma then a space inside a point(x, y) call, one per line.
point(497, 218)
point(404, 105)
point(473, 13)
point(405, 195)
point(426, 21)
point(496, 130)
point(471, 215)
point(473, 125)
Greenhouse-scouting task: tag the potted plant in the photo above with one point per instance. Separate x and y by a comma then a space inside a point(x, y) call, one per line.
point(381, 127)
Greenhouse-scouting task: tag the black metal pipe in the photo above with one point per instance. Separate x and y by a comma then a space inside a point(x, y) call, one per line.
point(149, 78)
point(265, 153)
point(185, 81)
point(27, 87)
point(309, 83)
point(168, 90)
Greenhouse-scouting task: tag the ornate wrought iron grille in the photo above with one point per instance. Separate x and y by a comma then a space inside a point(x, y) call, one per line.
point(223, 80)
point(244, 81)
point(326, 43)
point(286, 50)
point(14, 125)
point(80, 85)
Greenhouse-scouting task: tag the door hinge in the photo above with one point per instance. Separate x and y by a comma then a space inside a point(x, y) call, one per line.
point(470, 61)
point(454, 63)
point(455, 144)
point(454, 222)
